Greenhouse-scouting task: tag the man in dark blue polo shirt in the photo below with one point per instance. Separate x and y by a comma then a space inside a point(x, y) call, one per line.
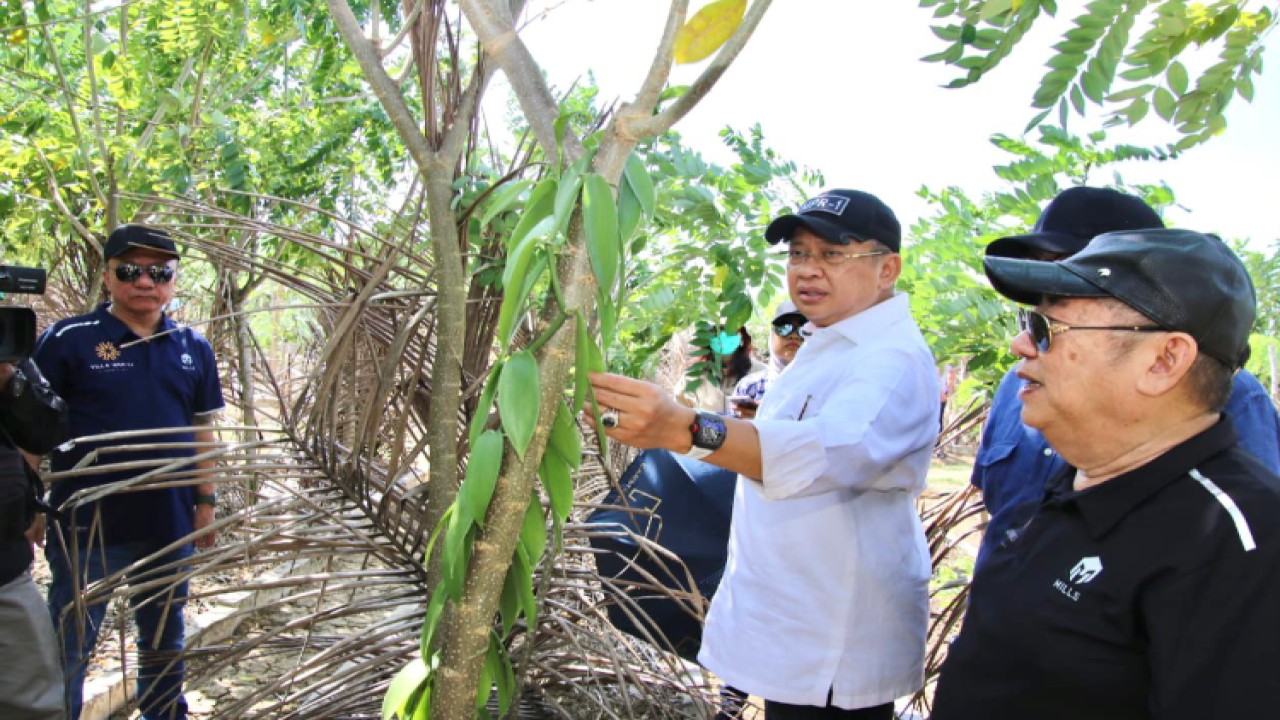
point(1145, 586)
point(128, 367)
point(1013, 462)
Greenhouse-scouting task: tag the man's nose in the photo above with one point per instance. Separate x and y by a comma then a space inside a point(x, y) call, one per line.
point(1023, 346)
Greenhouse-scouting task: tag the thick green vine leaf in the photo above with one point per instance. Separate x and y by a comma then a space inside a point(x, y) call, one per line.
point(524, 584)
point(637, 191)
point(558, 481)
point(518, 280)
point(519, 392)
point(570, 183)
point(541, 205)
point(565, 440)
point(580, 381)
point(504, 675)
point(533, 533)
point(503, 199)
point(600, 221)
point(404, 685)
point(456, 551)
point(708, 29)
point(588, 359)
point(509, 602)
point(483, 466)
point(481, 417)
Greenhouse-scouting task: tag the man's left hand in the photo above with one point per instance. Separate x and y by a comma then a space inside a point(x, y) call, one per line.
point(204, 518)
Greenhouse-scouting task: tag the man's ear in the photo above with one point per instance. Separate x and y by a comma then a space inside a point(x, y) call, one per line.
point(890, 269)
point(1174, 355)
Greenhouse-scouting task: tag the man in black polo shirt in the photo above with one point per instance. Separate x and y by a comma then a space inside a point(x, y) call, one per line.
point(1147, 584)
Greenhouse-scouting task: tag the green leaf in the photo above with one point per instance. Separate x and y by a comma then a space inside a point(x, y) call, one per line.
point(608, 315)
point(481, 418)
point(600, 221)
point(519, 393)
point(992, 8)
point(570, 183)
point(558, 481)
point(1165, 103)
point(636, 176)
point(581, 367)
point(1177, 77)
point(402, 688)
point(483, 466)
point(524, 584)
point(541, 204)
point(509, 601)
point(629, 212)
point(533, 533)
point(504, 675)
point(513, 285)
point(457, 546)
point(503, 199)
point(565, 440)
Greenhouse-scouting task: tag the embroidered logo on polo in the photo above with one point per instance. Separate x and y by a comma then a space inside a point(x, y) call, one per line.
point(187, 361)
point(1083, 573)
point(825, 203)
point(110, 355)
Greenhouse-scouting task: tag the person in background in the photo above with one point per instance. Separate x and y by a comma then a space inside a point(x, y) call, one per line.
point(824, 603)
point(1145, 586)
point(737, 360)
point(129, 366)
point(1013, 461)
point(785, 339)
point(33, 419)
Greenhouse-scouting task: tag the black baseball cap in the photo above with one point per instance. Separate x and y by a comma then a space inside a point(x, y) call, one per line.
point(127, 237)
point(1182, 280)
point(841, 216)
point(1073, 218)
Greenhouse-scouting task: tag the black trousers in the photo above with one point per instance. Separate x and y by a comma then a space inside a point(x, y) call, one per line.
point(782, 711)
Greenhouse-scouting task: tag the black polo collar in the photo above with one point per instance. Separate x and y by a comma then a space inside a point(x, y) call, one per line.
point(1103, 506)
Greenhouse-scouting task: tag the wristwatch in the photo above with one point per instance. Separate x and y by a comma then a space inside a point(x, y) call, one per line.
point(210, 499)
point(708, 433)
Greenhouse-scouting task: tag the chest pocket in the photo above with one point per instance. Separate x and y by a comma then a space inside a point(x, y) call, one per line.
point(991, 456)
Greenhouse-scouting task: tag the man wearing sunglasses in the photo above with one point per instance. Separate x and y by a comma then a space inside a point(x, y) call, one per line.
point(1014, 462)
point(785, 340)
point(823, 607)
point(1145, 585)
point(128, 366)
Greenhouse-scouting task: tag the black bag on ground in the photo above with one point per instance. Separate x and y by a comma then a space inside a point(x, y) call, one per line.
point(691, 503)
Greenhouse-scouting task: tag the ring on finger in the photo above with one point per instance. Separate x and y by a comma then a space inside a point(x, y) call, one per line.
point(609, 418)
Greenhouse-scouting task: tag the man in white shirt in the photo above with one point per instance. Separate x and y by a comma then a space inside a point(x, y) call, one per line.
point(824, 604)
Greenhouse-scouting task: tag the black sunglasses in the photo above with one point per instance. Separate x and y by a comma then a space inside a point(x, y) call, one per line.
point(788, 328)
point(129, 272)
point(1042, 328)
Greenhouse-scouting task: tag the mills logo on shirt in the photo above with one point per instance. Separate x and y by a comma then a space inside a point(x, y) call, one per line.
point(1083, 573)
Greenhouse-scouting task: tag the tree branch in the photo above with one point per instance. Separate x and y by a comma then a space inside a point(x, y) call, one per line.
point(650, 126)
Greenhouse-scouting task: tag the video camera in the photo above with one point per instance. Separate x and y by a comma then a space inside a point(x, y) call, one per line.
point(18, 324)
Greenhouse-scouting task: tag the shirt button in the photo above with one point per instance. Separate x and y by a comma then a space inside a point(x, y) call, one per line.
point(1048, 452)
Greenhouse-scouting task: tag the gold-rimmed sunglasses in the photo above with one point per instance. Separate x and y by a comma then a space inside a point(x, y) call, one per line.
point(1042, 328)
